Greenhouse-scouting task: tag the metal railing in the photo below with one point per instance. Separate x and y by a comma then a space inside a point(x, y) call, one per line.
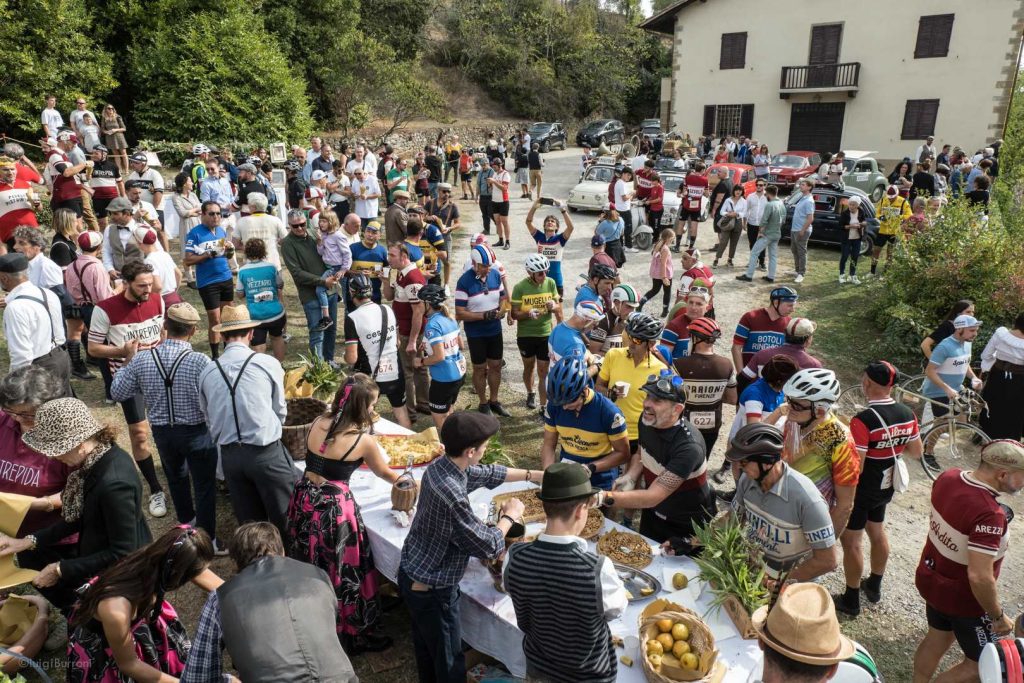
point(838, 76)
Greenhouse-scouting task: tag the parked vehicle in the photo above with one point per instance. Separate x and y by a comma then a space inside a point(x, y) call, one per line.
point(609, 131)
point(863, 172)
point(591, 194)
point(740, 174)
point(548, 135)
point(829, 201)
point(671, 202)
point(788, 168)
point(651, 123)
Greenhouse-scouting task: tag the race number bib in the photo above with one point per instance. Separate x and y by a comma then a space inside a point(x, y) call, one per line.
point(703, 419)
point(263, 297)
point(550, 251)
point(461, 365)
point(387, 367)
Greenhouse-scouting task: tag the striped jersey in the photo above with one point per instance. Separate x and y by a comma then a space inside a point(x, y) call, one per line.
point(590, 433)
point(103, 180)
point(478, 296)
point(15, 207)
point(369, 260)
point(756, 331)
point(118, 320)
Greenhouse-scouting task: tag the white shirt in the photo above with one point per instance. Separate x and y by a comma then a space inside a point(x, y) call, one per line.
point(613, 591)
point(52, 119)
point(263, 226)
point(152, 177)
point(1002, 346)
point(163, 268)
point(737, 205)
point(29, 333)
point(90, 135)
point(366, 164)
point(621, 203)
point(366, 208)
point(76, 117)
point(755, 208)
point(42, 272)
point(343, 183)
point(497, 191)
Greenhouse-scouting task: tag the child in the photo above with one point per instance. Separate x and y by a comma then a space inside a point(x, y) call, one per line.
point(333, 247)
point(661, 271)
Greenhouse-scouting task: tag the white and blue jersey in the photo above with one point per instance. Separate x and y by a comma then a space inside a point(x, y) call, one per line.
point(953, 359)
point(552, 248)
point(479, 296)
point(586, 293)
point(200, 240)
point(443, 330)
point(565, 341)
point(260, 281)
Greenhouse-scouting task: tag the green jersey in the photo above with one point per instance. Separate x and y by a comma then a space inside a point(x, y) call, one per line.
point(529, 297)
point(405, 183)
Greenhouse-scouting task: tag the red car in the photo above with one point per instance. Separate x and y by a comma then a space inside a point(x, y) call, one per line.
point(786, 169)
point(739, 174)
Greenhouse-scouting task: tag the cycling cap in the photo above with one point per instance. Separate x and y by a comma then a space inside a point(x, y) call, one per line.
point(591, 311)
point(567, 379)
point(779, 369)
point(602, 272)
point(67, 136)
point(372, 225)
point(432, 294)
point(481, 256)
point(881, 372)
point(103, 148)
point(360, 285)
point(625, 294)
point(758, 441)
point(1006, 454)
point(200, 148)
point(892, 191)
point(702, 292)
point(255, 161)
point(537, 263)
point(643, 326)
point(666, 386)
point(784, 294)
point(814, 385)
point(694, 253)
point(800, 328)
point(705, 328)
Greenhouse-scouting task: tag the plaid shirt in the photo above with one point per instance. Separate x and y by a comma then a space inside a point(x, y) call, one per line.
point(141, 374)
point(445, 532)
point(204, 659)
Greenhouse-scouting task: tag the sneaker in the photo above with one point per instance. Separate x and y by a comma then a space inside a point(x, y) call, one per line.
point(931, 463)
point(499, 410)
point(219, 549)
point(854, 279)
point(871, 594)
point(82, 372)
point(158, 504)
point(715, 264)
point(499, 243)
point(844, 607)
point(485, 408)
point(507, 245)
point(744, 278)
point(730, 264)
point(531, 400)
point(798, 279)
point(324, 324)
point(842, 278)
point(762, 267)
point(109, 401)
point(768, 279)
point(287, 337)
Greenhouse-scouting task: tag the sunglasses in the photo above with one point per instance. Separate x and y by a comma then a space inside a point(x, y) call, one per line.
point(666, 381)
point(297, 225)
point(798, 406)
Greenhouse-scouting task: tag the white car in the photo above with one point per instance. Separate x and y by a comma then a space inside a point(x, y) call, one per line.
point(672, 201)
point(591, 194)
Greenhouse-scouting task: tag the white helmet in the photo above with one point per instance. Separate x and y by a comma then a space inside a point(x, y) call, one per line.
point(199, 149)
point(537, 263)
point(816, 385)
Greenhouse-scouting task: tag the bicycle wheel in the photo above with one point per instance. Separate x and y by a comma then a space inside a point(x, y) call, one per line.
point(851, 402)
point(960, 448)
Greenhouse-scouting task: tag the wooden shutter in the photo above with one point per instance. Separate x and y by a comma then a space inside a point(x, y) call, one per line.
point(734, 51)
point(825, 42)
point(933, 34)
point(919, 119)
point(747, 120)
point(709, 119)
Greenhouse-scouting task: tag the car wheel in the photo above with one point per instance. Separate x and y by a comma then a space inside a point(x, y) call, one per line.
point(876, 195)
point(546, 147)
point(866, 245)
point(643, 240)
point(573, 209)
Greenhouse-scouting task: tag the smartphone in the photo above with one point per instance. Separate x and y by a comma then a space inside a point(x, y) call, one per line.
point(548, 201)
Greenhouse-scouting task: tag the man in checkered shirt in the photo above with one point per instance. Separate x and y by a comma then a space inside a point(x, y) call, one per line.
point(445, 533)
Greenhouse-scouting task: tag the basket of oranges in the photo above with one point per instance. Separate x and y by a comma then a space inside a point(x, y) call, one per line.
point(675, 644)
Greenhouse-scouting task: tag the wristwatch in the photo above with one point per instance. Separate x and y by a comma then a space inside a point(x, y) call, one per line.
point(31, 539)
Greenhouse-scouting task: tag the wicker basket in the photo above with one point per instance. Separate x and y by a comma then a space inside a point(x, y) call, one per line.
point(301, 413)
point(701, 640)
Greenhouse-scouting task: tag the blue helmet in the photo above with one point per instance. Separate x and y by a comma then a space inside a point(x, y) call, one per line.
point(480, 255)
point(567, 379)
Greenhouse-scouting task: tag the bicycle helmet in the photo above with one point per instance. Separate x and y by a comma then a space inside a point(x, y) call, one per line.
point(537, 263)
point(481, 256)
point(643, 326)
point(591, 311)
point(757, 442)
point(783, 294)
point(432, 294)
point(255, 161)
point(625, 294)
point(200, 148)
point(292, 165)
point(704, 329)
point(567, 379)
point(1001, 661)
point(817, 385)
point(360, 286)
point(602, 272)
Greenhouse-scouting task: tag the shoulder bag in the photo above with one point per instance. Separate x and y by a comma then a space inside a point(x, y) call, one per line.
point(900, 472)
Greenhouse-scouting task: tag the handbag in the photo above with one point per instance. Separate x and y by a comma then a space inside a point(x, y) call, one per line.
point(900, 472)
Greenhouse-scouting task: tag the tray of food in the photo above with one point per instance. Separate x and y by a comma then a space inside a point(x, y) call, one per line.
point(534, 511)
point(639, 584)
point(623, 547)
point(595, 522)
point(423, 448)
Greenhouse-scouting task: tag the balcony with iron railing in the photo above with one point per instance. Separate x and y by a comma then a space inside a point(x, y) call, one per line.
point(813, 78)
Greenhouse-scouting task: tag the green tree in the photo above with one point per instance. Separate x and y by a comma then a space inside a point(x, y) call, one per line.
point(217, 75)
point(49, 51)
point(399, 24)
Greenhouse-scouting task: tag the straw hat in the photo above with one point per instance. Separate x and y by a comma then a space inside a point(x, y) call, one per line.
point(235, 318)
point(803, 626)
point(61, 425)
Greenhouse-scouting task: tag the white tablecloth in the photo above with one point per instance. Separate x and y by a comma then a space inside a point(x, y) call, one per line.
point(488, 617)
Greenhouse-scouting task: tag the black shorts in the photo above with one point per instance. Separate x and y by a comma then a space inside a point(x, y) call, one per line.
point(483, 349)
point(394, 390)
point(274, 328)
point(443, 395)
point(466, 177)
point(217, 294)
point(99, 207)
point(685, 215)
point(941, 406)
point(882, 240)
point(134, 409)
point(499, 208)
point(869, 506)
point(533, 347)
point(423, 191)
point(972, 633)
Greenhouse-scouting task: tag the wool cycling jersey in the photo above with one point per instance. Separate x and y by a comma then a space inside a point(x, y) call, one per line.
point(369, 260)
point(533, 297)
point(443, 330)
point(590, 433)
point(952, 358)
point(696, 184)
point(431, 242)
point(676, 337)
point(552, 248)
point(828, 457)
point(479, 296)
point(706, 377)
point(362, 329)
point(565, 341)
point(892, 213)
point(880, 433)
point(756, 331)
point(679, 450)
point(260, 282)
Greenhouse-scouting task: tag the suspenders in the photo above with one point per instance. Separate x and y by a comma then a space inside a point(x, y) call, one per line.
point(231, 389)
point(42, 302)
point(168, 377)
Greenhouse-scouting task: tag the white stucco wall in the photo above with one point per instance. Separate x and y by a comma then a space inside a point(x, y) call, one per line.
point(971, 82)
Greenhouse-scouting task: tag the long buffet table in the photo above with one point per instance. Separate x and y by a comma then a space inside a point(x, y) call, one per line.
point(488, 618)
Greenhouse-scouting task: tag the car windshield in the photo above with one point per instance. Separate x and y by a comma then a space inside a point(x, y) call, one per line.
point(672, 182)
point(595, 126)
point(789, 161)
point(848, 165)
point(539, 129)
point(651, 130)
point(599, 174)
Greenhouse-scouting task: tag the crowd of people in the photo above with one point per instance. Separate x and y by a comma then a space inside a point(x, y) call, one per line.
point(632, 406)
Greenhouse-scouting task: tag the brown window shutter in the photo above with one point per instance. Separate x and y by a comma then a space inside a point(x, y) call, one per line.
point(734, 51)
point(747, 120)
point(919, 119)
point(933, 35)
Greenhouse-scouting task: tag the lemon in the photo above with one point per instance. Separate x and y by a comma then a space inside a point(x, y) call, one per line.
point(679, 581)
point(655, 661)
point(689, 661)
point(667, 641)
point(654, 647)
point(680, 648)
point(664, 625)
point(680, 632)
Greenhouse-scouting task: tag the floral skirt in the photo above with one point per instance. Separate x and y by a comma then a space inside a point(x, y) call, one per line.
point(326, 530)
point(161, 643)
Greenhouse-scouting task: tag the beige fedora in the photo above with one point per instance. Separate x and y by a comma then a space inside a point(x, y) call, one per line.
point(235, 318)
point(803, 626)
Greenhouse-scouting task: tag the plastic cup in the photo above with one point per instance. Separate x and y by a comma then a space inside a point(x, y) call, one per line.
point(623, 388)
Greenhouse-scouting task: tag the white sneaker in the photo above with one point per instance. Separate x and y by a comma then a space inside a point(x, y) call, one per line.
point(855, 280)
point(842, 278)
point(158, 504)
point(632, 250)
point(798, 279)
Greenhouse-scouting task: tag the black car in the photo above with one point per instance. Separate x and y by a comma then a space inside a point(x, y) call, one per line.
point(829, 201)
point(609, 131)
point(548, 135)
